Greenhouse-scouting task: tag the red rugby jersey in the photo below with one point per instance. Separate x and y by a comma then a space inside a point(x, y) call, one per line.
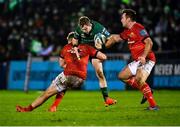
point(135, 38)
point(73, 65)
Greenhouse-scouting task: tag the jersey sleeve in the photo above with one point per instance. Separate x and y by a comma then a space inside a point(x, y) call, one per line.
point(123, 35)
point(101, 29)
point(77, 33)
point(105, 32)
point(143, 34)
point(62, 53)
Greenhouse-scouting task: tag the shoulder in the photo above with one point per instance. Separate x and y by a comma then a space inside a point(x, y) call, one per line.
point(77, 30)
point(141, 30)
point(67, 46)
point(95, 22)
point(139, 26)
point(97, 25)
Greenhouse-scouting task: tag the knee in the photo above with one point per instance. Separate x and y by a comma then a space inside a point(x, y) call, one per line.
point(120, 76)
point(140, 81)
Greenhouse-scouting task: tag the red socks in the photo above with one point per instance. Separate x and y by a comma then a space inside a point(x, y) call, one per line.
point(28, 108)
point(57, 100)
point(132, 83)
point(146, 90)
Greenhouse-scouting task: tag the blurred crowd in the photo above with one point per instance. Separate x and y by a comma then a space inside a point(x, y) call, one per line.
point(47, 22)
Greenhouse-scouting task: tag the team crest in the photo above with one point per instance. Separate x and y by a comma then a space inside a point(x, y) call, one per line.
point(131, 35)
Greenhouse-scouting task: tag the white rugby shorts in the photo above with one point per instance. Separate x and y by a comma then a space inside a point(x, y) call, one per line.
point(63, 82)
point(133, 66)
point(58, 81)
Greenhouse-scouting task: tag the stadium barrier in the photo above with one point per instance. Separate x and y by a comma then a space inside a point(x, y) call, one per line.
point(43, 72)
point(166, 74)
point(3, 73)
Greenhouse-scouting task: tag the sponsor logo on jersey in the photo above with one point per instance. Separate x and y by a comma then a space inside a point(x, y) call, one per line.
point(73, 51)
point(143, 32)
point(130, 42)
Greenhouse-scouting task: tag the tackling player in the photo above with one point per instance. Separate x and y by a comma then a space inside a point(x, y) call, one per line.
point(75, 72)
point(60, 95)
point(140, 45)
point(84, 34)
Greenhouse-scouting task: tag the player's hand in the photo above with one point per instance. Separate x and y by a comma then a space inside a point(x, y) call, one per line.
point(77, 53)
point(98, 45)
point(142, 59)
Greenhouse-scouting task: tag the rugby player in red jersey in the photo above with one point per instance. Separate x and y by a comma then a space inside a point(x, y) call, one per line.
point(75, 72)
point(140, 45)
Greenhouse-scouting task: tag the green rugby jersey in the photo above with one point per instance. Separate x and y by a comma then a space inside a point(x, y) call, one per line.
point(89, 38)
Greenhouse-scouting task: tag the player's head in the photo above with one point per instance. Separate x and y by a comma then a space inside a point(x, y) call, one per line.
point(70, 37)
point(85, 24)
point(127, 15)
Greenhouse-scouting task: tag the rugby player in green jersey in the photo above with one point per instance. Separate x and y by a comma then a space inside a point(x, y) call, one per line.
point(85, 33)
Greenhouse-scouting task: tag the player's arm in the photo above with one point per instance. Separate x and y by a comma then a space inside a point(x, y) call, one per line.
point(114, 38)
point(75, 44)
point(62, 62)
point(95, 53)
point(148, 46)
point(101, 56)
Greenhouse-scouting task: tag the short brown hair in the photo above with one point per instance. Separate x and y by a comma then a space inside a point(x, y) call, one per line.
point(129, 13)
point(83, 20)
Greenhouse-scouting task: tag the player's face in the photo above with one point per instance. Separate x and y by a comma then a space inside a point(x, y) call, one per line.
point(124, 20)
point(70, 40)
point(86, 28)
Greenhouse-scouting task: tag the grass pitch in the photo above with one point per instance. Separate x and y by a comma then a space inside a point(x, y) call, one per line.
point(86, 108)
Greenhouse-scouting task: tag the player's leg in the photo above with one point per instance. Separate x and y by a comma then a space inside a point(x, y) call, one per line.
point(71, 82)
point(58, 99)
point(127, 74)
point(56, 86)
point(144, 99)
point(97, 64)
point(52, 90)
point(140, 78)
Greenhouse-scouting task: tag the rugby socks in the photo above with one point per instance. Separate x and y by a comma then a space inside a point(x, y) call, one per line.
point(146, 90)
point(28, 108)
point(132, 83)
point(58, 99)
point(104, 92)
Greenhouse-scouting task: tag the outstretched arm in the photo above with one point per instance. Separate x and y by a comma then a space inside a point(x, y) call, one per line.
point(114, 38)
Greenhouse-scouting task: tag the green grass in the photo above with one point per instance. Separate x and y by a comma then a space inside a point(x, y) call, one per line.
point(86, 108)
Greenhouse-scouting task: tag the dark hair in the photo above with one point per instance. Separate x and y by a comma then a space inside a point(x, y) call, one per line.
point(129, 13)
point(70, 35)
point(83, 20)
